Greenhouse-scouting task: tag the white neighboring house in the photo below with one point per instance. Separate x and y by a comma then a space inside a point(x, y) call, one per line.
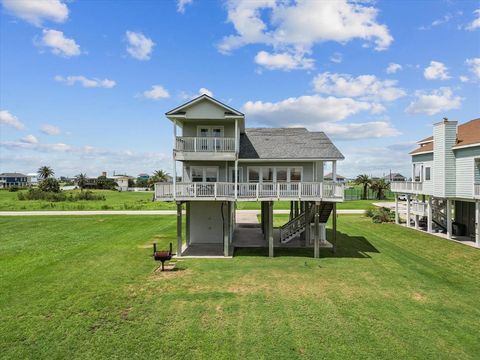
point(33, 178)
point(122, 182)
point(445, 191)
point(223, 162)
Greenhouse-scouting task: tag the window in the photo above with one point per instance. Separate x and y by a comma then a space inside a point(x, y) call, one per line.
point(203, 132)
point(197, 174)
point(295, 174)
point(211, 174)
point(253, 174)
point(267, 174)
point(232, 174)
point(201, 174)
point(427, 173)
point(209, 131)
point(282, 174)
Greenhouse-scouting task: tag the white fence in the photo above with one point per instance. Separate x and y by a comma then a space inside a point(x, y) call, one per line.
point(249, 191)
point(205, 144)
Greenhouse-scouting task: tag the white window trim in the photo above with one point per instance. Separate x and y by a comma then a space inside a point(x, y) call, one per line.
point(204, 170)
point(260, 173)
point(210, 129)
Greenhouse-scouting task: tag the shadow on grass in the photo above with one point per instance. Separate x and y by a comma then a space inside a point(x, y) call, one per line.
point(347, 247)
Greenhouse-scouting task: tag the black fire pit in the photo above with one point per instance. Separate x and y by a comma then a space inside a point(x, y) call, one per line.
point(162, 256)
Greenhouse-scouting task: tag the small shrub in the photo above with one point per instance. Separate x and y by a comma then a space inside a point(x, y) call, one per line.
point(89, 195)
point(380, 215)
point(49, 185)
point(13, 188)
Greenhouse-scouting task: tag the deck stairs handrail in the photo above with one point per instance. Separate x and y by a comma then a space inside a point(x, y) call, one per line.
point(293, 228)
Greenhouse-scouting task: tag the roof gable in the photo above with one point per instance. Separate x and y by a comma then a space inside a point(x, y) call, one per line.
point(190, 105)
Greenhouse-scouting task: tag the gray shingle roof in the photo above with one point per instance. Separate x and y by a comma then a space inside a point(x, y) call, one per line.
point(286, 143)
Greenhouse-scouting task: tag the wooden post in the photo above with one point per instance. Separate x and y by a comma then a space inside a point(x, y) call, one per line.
point(316, 244)
point(270, 229)
point(262, 217)
point(226, 217)
point(408, 210)
point(449, 218)
point(429, 215)
point(179, 229)
point(334, 225)
point(187, 225)
point(397, 217)
point(307, 223)
point(291, 211)
point(174, 170)
point(477, 223)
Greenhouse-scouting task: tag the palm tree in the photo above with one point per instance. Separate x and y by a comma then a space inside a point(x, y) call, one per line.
point(81, 181)
point(160, 175)
point(379, 186)
point(45, 172)
point(365, 181)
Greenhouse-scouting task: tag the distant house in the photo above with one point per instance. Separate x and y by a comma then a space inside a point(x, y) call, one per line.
point(395, 177)
point(122, 182)
point(33, 178)
point(143, 176)
point(338, 178)
point(8, 180)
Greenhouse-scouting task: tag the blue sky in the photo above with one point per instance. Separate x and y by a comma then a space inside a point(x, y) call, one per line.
point(84, 85)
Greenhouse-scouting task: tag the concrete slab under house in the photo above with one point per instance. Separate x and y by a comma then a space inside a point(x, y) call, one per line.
point(223, 162)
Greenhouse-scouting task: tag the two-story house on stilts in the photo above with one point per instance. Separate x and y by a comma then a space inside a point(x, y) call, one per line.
point(444, 194)
point(223, 162)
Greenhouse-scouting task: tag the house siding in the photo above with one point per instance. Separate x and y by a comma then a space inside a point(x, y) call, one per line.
point(466, 171)
point(444, 135)
point(190, 127)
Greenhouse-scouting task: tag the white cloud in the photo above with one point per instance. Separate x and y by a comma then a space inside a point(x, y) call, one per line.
point(436, 71)
point(6, 118)
point(437, 101)
point(392, 68)
point(298, 26)
point(203, 90)
point(475, 24)
point(29, 139)
point(156, 92)
point(139, 46)
point(464, 79)
point(318, 113)
point(59, 44)
point(283, 61)
point(363, 86)
point(474, 66)
point(182, 4)
point(86, 82)
point(336, 58)
point(35, 12)
point(50, 130)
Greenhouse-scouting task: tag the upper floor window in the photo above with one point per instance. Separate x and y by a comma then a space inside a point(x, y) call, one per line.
point(210, 131)
point(428, 174)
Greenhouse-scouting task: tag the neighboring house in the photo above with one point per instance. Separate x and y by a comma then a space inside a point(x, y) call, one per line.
point(33, 178)
point(394, 177)
point(122, 182)
point(14, 179)
point(143, 176)
point(223, 162)
point(340, 178)
point(446, 186)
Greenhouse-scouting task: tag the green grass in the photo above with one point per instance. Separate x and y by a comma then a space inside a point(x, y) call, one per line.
point(131, 201)
point(84, 287)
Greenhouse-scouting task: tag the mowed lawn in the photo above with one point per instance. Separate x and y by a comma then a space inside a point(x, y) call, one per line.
point(115, 200)
point(85, 287)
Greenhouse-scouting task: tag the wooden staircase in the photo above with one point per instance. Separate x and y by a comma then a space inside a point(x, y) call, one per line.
point(296, 226)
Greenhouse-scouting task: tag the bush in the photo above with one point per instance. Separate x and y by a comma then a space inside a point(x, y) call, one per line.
point(38, 194)
point(13, 188)
point(50, 185)
point(89, 195)
point(380, 215)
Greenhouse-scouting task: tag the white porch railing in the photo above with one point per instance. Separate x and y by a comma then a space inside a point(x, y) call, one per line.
point(205, 144)
point(476, 189)
point(406, 186)
point(250, 191)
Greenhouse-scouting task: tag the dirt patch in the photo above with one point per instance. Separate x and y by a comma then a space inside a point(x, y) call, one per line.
point(419, 297)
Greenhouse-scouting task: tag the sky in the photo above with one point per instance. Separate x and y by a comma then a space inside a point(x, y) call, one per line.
point(84, 85)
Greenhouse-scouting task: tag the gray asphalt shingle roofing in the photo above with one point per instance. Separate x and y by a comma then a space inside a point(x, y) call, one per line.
point(286, 143)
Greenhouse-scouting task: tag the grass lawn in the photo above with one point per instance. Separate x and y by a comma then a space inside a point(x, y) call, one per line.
point(130, 201)
point(84, 287)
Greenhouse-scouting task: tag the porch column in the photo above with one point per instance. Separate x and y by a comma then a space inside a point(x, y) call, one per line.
point(334, 226)
point(416, 215)
point(429, 215)
point(187, 225)
point(307, 223)
point(449, 218)
point(236, 179)
point(397, 218)
point(270, 229)
point(316, 243)
point(179, 229)
point(174, 170)
point(334, 170)
point(477, 223)
point(408, 210)
point(291, 210)
point(226, 229)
